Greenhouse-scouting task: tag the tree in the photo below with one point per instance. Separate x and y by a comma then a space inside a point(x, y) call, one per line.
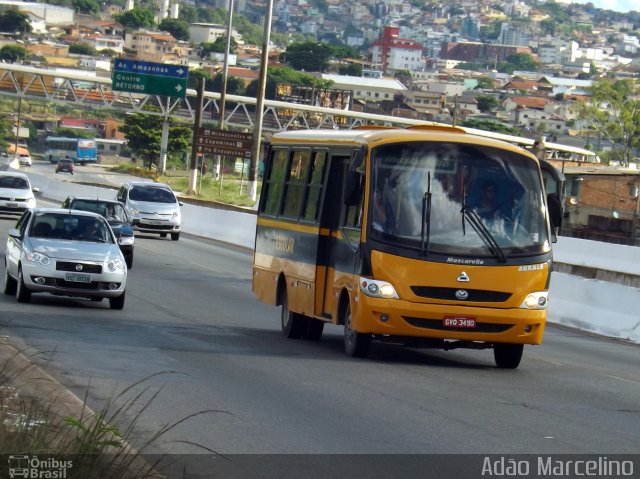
point(12, 53)
point(518, 61)
point(144, 133)
point(308, 56)
point(179, 29)
point(219, 46)
point(136, 18)
point(487, 103)
point(485, 83)
point(14, 21)
point(285, 75)
point(89, 7)
point(614, 114)
point(351, 69)
point(82, 49)
point(235, 86)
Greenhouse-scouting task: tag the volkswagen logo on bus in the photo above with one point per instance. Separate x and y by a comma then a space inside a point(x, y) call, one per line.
point(462, 294)
point(78, 267)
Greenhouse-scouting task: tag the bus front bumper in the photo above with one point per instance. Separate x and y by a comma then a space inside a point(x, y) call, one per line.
point(449, 322)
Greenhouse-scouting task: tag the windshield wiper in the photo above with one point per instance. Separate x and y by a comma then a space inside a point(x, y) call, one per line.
point(425, 231)
point(481, 229)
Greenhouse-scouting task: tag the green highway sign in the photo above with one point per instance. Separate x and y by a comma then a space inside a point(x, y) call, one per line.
point(149, 78)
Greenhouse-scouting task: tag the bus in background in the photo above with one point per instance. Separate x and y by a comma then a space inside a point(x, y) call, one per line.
point(80, 150)
point(426, 237)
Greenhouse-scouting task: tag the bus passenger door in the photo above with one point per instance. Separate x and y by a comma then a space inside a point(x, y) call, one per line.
point(336, 249)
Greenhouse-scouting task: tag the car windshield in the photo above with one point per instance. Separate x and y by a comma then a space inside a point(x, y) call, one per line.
point(457, 199)
point(152, 194)
point(113, 212)
point(72, 227)
point(14, 182)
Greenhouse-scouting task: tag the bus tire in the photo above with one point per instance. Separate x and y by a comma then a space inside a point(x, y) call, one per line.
point(293, 324)
point(356, 344)
point(313, 331)
point(507, 356)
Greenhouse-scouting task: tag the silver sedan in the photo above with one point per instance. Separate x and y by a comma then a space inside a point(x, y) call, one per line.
point(64, 252)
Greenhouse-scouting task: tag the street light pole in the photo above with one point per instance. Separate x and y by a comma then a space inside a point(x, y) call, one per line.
point(635, 193)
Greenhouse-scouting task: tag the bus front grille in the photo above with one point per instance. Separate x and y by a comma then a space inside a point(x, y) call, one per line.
point(449, 294)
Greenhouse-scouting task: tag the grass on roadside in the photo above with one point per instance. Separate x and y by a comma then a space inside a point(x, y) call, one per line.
point(101, 445)
point(233, 190)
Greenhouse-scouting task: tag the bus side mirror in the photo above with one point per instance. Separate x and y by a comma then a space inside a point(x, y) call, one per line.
point(554, 207)
point(352, 191)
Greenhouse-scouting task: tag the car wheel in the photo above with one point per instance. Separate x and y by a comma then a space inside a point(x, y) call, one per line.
point(355, 344)
point(175, 236)
point(9, 283)
point(293, 324)
point(163, 235)
point(23, 295)
point(129, 261)
point(117, 303)
point(508, 356)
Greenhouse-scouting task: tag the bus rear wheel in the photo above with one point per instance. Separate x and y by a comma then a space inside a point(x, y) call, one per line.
point(508, 356)
point(355, 344)
point(293, 324)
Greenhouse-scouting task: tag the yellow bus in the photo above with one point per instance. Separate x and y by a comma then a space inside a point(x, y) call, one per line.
point(395, 235)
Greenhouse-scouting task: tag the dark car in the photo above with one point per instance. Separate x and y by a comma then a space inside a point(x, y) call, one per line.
point(115, 214)
point(64, 165)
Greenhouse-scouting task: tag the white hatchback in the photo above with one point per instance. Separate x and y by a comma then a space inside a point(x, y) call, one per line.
point(16, 193)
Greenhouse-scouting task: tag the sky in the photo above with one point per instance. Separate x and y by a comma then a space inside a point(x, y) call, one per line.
point(616, 5)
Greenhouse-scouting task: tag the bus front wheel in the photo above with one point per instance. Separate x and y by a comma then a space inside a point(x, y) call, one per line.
point(293, 324)
point(355, 344)
point(507, 356)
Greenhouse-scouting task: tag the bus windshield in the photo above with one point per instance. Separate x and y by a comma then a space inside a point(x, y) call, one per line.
point(457, 199)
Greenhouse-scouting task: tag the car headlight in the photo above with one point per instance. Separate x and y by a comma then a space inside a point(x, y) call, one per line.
point(537, 300)
point(134, 211)
point(114, 265)
point(35, 257)
point(378, 289)
point(126, 240)
point(31, 202)
point(176, 215)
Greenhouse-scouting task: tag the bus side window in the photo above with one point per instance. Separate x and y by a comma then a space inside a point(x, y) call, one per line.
point(352, 220)
point(274, 182)
point(296, 183)
point(314, 187)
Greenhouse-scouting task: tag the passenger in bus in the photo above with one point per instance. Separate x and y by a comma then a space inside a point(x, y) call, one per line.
point(383, 219)
point(487, 206)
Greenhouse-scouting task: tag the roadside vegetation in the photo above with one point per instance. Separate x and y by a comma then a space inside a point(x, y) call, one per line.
point(35, 423)
point(231, 189)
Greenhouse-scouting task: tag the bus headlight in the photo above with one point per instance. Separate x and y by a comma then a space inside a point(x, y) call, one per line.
point(537, 300)
point(378, 289)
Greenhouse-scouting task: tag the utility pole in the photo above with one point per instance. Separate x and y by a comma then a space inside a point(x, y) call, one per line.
point(223, 91)
point(252, 177)
point(164, 140)
point(193, 173)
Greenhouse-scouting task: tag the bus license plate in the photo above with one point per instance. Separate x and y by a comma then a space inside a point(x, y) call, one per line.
point(459, 322)
point(78, 277)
